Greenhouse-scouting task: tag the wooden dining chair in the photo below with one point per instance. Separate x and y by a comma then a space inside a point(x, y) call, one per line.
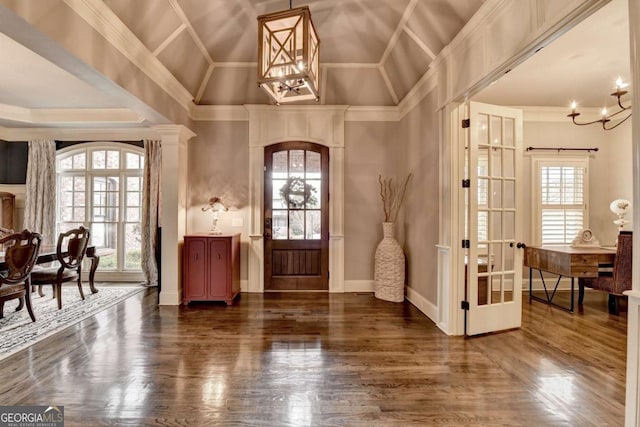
point(70, 251)
point(21, 253)
point(4, 232)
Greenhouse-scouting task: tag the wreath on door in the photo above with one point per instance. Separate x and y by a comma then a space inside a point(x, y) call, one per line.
point(297, 193)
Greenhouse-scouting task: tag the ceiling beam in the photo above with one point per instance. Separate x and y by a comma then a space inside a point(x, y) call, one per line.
point(183, 17)
point(420, 43)
point(396, 34)
point(169, 39)
point(387, 82)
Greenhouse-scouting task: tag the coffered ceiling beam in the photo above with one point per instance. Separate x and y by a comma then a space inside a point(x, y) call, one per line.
point(169, 39)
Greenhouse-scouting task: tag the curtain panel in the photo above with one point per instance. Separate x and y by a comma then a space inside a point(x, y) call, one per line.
point(151, 209)
point(40, 200)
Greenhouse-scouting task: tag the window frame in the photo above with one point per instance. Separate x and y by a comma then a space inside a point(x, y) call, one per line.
point(537, 163)
point(89, 173)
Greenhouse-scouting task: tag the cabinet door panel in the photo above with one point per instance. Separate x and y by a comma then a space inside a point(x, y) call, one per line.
point(196, 266)
point(218, 268)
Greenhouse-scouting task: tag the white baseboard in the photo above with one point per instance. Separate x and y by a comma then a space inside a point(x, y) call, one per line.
point(244, 286)
point(422, 304)
point(359, 285)
point(170, 298)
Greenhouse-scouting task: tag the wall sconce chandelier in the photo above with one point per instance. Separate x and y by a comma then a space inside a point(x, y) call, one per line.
point(605, 116)
point(288, 55)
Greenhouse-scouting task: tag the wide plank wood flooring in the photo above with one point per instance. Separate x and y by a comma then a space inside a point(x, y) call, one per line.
point(293, 359)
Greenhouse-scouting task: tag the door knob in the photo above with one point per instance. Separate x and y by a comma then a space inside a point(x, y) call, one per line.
point(520, 245)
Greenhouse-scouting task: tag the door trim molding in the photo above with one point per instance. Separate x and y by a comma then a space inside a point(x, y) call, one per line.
point(270, 125)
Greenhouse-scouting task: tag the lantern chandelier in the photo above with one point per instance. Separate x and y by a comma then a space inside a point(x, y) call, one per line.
point(288, 55)
point(605, 116)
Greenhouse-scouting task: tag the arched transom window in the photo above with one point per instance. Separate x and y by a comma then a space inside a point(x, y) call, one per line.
point(100, 187)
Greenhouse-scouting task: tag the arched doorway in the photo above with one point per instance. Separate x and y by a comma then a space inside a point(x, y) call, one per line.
point(296, 216)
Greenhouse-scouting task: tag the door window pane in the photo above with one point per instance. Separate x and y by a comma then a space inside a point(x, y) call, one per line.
point(314, 223)
point(313, 193)
point(279, 167)
point(280, 225)
point(296, 163)
point(296, 225)
point(313, 165)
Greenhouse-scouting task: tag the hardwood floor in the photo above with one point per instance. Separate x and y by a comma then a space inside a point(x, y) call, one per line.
point(325, 360)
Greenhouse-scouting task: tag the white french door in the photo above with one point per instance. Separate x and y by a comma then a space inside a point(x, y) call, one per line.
point(494, 288)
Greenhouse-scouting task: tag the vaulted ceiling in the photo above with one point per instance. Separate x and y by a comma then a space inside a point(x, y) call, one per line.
point(372, 51)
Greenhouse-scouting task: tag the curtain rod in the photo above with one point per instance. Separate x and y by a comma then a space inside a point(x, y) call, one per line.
point(562, 149)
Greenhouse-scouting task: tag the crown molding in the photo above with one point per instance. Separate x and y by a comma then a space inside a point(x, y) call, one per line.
point(101, 18)
point(232, 113)
point(77, 133)
point(69, 115)
point(224, 113)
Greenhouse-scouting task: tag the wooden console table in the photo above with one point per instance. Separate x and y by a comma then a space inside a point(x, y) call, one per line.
point(565, 261)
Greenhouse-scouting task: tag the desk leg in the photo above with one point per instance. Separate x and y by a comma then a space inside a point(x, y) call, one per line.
point(95, 260)
point(572, 285)
point(530, 284)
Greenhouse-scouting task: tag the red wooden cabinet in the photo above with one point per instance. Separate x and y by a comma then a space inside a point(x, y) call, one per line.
point(211, 267)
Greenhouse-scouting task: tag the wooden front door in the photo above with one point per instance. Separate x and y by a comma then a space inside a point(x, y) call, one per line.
point(296, 216)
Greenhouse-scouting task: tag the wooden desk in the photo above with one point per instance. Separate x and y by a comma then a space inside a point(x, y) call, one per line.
point(565, 261)
point(48, 254)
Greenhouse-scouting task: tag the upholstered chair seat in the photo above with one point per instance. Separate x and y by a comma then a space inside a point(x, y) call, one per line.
point(50, 274)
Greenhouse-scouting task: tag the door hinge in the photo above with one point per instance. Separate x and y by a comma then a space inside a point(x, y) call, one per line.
point(464, 305)
point(466, 183)
point(466, 244)
point(328, 274)
point(466, 123)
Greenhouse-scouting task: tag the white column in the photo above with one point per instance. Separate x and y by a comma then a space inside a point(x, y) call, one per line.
point(173, 209)
point(632, 405)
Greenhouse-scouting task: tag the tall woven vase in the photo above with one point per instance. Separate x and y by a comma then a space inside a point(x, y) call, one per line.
point(389, 267)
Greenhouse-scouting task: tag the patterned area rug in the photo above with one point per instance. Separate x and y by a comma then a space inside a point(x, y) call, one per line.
point(17, 331)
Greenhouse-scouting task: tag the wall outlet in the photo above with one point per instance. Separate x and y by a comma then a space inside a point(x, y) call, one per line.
point(237, 222)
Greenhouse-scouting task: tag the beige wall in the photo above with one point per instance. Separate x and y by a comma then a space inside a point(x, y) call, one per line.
point(610, 169)
point(371, 149)
point(419, 130)
point(219, 166)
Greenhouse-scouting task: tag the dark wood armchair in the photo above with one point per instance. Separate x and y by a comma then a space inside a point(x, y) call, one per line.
point(71, 249)
point(21, 254)
point(616, 282)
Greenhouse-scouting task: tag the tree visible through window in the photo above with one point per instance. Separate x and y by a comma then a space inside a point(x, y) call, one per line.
point(100, 187)
point(561, 199)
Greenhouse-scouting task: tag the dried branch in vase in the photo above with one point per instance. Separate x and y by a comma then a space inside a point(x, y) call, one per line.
point(392, 196)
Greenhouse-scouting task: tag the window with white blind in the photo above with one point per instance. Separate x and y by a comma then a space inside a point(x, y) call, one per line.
point(560, 200)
